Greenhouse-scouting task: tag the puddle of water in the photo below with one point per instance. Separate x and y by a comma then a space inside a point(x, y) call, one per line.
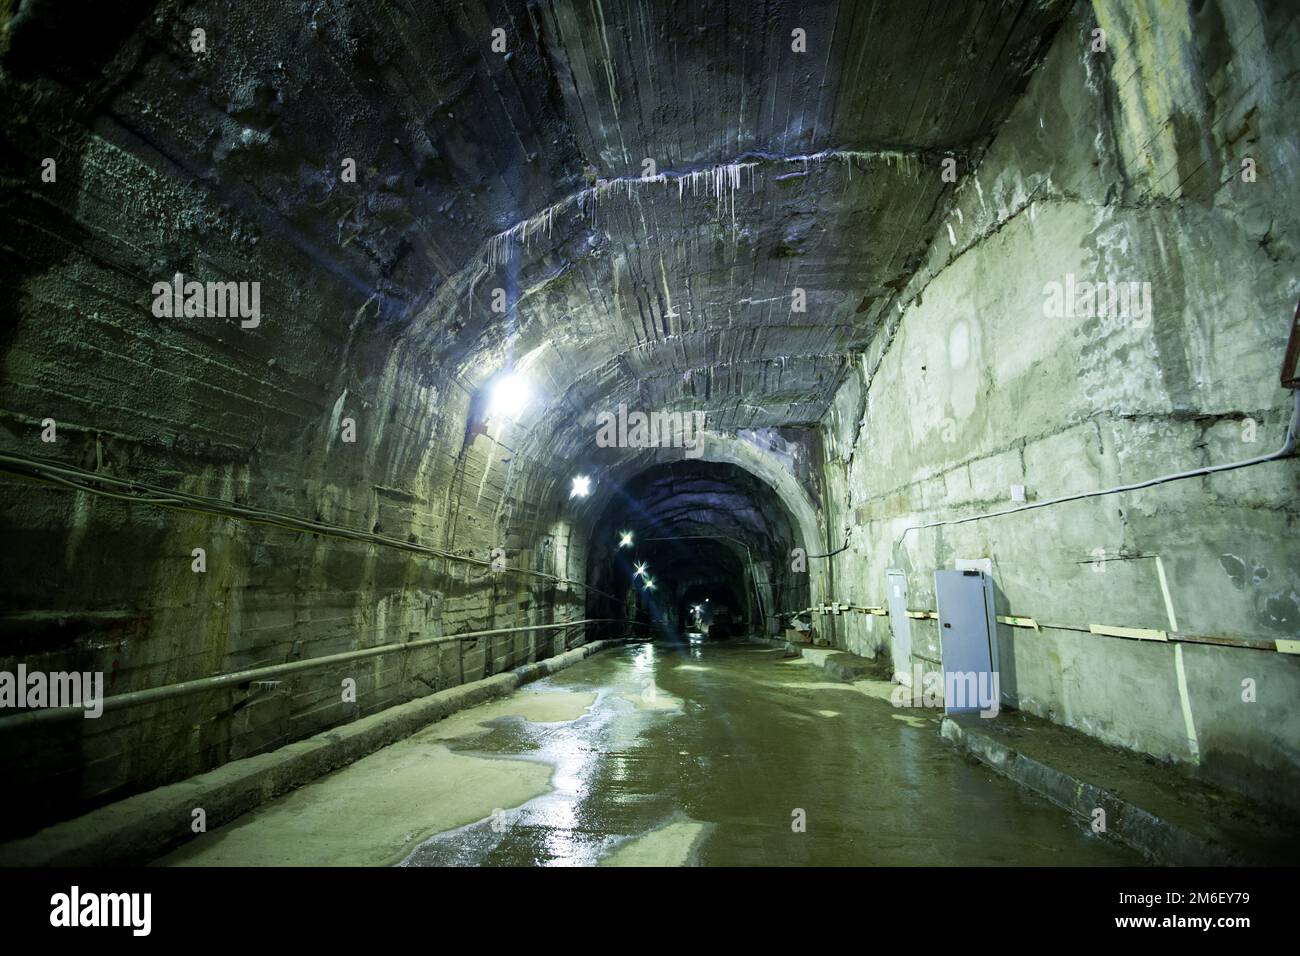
point(672, 844)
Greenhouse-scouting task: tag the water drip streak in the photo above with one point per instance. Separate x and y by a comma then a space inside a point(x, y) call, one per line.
point(721, 182)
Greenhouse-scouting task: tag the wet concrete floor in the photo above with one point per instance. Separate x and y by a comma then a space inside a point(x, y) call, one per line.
point(666, 754)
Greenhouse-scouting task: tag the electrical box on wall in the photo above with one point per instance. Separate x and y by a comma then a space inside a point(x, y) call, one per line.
point(968, 640)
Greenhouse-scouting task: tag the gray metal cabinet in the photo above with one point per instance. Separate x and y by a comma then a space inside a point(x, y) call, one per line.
point(968, 640)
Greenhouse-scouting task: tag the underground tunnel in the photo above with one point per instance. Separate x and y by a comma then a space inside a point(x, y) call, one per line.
point(528, 433)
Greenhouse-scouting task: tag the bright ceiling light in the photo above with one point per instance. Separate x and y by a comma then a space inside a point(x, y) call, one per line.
point(625, 539)
point(581, 487)
point(510, 395)
point(649, 584)
point(638, 570)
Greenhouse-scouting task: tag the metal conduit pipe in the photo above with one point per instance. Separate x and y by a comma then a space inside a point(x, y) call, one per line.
point(155, 695)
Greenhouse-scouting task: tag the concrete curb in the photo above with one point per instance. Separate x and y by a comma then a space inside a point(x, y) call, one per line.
point(838, 664)
point(1154, 837)
point(143, 827)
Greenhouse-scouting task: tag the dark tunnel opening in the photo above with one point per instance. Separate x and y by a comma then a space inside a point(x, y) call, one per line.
point(677, 529)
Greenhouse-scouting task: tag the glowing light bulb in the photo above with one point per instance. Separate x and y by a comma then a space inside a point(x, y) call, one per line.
point(510, 395)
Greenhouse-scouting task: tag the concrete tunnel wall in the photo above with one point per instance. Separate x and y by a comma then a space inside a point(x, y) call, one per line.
point(268, 594)
point(93, 584)
point(1096, 174)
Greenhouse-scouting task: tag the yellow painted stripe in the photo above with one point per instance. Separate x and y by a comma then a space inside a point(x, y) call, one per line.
point(1288, 647)
point(1018, 621)
point(1137, 633)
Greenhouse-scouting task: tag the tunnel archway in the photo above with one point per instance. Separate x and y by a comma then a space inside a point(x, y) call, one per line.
point(677, 530)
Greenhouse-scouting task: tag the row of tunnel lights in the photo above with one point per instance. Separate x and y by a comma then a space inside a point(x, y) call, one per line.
point(639, 568)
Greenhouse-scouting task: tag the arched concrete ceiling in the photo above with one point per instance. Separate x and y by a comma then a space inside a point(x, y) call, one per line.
point(772, 171)
point(685, 500)
point(765, 457)
point(479, 169)
point(680, 293)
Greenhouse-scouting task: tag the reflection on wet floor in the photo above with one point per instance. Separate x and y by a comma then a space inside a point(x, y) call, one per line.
point(714, 753)
point(672, 753)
